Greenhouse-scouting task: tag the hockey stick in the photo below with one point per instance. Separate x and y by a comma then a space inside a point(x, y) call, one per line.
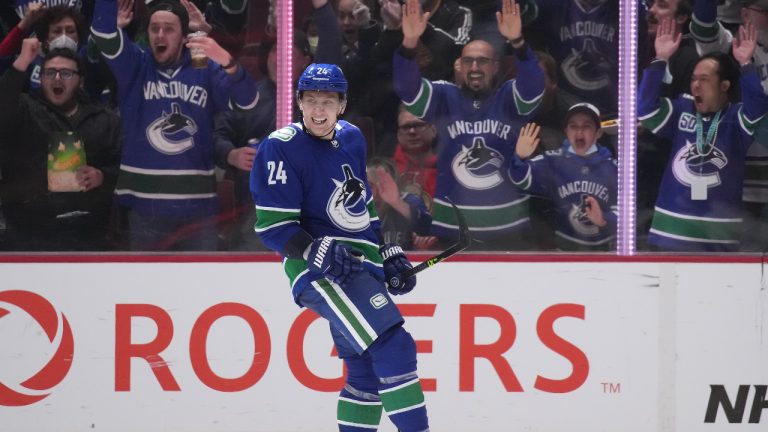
point(464, 241)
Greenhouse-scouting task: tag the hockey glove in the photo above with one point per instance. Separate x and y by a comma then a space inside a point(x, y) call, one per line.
point(395, 263)
point(337, 262)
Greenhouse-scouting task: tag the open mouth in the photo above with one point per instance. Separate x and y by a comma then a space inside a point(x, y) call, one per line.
point(319, 122)
point(58, 91)
point(160, 49)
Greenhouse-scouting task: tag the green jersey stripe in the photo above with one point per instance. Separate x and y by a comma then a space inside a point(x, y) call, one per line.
point(482, 218)
point(110, 44)
point(525, 107)
point(419, 105)
point(403, 398)
point(702, 230)
point(266, 219)
point(657, 119)
point(705, 32)
point(359, 413)
point(167, 184)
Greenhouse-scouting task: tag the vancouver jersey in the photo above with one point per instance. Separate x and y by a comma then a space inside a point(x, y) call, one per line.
point(584, 43)
point(302, 182)
point(567, 179)
point(699, 203)
point(712, 36)
point(167, 164)
point(476, 138)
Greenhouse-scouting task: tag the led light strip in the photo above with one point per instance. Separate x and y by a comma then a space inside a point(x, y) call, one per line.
point(284, 18)
point(627, 146)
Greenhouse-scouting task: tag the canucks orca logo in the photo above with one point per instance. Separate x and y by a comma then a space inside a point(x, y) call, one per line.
point(579, 220)
point(587, 69)
point(347, 207)
point(172, 133)
point(688, 164)
point(477, 167)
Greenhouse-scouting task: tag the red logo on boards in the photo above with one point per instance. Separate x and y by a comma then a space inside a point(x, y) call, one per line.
point(57, 330)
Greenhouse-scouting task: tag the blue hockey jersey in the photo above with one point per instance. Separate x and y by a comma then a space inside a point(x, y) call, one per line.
point(584, 42)
point(708, 220)
point(167, 165)
point(475, 139)
point(566, 179)
point(302, 182)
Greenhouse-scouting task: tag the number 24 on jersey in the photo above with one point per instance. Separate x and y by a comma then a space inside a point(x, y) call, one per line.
point(276, 172)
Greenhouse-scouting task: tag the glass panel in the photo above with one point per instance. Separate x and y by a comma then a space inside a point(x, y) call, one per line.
point(700, 172)
point(453, 141)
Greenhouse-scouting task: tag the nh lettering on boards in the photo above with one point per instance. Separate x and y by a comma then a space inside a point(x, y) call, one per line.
point(734, 409)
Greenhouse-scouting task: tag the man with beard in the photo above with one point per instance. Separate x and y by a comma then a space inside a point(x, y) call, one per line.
point(477, 125)
point(167, 179)
point(34, 128)
point(699, 203)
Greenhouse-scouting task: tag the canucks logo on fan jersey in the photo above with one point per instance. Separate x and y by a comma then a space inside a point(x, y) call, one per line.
point(172, 133)
point(477, 167)
point(347, 207)
point(688, 164)
point(579, 220)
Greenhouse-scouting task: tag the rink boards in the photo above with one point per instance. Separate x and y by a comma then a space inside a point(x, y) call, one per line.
point(529, 346)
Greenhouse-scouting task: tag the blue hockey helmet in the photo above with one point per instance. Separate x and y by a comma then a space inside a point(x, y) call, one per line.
point(323, 77)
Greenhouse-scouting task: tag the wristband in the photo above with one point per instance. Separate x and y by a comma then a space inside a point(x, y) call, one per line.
point(516, 40)
point(232, 63)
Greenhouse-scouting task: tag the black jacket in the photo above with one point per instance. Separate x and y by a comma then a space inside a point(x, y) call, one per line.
point(26, 124)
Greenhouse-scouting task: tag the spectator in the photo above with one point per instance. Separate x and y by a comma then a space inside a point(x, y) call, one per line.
point(167, 178)
point(32, 128)
point(712, 35)
point(444, 37)
point(677, 77)
point(403, 215)
point(476, 123)
point(415, 152)
point(580, 179)
point(59, 26)
point(582, 36)
point(699, 203)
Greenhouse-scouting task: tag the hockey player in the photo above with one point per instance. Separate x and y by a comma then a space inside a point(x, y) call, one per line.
point(315, 207)
point(167, 177)
point(699, 203)
point(579, 178)
point(477, 124)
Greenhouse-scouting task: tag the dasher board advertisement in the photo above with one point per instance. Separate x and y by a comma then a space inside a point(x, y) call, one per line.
point(529, 346)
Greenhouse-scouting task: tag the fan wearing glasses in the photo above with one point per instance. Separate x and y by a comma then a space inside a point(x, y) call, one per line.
point(476, 122)
point(32, 129)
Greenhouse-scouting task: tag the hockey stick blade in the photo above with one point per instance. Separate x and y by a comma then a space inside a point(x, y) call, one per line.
point(464, 241)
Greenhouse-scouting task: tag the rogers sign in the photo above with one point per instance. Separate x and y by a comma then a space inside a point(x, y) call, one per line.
point(39, 386)
point(470, 350)
point(153, 352)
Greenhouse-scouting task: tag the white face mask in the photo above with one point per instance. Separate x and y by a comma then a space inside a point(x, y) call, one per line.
point(313, 40)
point(63, 41)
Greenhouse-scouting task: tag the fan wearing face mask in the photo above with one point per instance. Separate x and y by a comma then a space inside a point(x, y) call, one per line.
point(58, 26)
